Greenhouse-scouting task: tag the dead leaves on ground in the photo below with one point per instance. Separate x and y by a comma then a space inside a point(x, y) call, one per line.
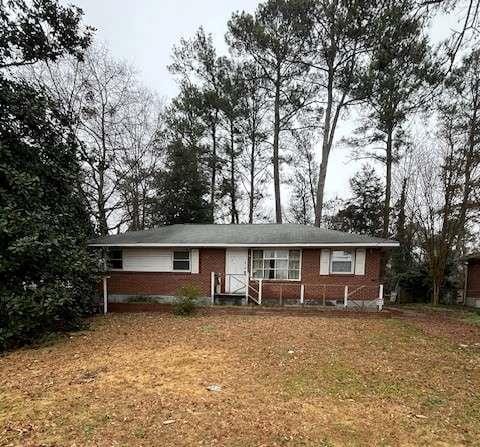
point(144, 379)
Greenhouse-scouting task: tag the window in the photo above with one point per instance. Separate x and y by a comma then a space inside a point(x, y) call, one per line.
point(114, 259)
point(276, 264)
point(341, 261)
point(181, 261)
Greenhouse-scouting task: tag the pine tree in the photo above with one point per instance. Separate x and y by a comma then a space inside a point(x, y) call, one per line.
point(362, 213)
point(233, 113)
point(181, 188)
point(339, 46)
point(401, 68)
point(197, 63)
point(276, 37)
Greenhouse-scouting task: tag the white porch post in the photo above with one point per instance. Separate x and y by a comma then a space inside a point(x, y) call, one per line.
point(302, 294)
point(345, 297)
point(105, 295)
point(380, 297)
point(212, 287)
point(260, 291)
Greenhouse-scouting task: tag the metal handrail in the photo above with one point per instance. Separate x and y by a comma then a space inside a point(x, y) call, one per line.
point(356, 290)
point(244, 280)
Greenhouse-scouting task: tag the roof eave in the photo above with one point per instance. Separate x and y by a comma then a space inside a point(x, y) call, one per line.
point(219, 245)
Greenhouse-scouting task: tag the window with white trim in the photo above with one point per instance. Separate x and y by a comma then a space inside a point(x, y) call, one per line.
point(181, 261)
point(276, 264)
point(342, 261)
point(114, 259)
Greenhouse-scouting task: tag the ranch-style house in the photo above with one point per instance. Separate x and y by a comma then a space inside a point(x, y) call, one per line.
point(246, 264)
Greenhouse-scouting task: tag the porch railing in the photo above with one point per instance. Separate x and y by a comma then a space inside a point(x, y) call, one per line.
point(254, 290)
point(251, 288)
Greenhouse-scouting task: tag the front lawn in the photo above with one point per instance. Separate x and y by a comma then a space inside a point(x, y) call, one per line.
point(299, 381)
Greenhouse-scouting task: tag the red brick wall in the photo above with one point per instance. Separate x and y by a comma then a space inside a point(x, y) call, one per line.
point(213, 260)
point(473, 278)
point(167, 283)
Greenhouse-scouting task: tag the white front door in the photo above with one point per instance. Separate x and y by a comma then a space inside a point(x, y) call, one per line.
point(236, 270)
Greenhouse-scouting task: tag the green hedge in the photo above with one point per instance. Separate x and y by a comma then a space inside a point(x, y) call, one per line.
point(27, 316)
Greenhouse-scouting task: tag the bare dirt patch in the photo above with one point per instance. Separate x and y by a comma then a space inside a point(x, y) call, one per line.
point(146, 379)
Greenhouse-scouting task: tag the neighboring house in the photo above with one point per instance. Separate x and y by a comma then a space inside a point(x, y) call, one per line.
point(260, 263)
point(472, 280)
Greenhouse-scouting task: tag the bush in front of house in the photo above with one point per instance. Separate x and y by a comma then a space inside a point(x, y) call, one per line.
point(186, 302)
point(30, 315)
point(47, 275)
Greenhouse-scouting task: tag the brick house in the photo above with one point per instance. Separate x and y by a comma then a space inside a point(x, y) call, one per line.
point(472, 280)
point(259, 263)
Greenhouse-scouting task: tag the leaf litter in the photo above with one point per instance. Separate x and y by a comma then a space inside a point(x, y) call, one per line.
point(153, 379)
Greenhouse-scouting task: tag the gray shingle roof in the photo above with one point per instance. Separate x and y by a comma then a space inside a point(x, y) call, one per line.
point(256, 235)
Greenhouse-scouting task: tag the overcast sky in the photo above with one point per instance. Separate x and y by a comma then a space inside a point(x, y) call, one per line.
point(143, 32)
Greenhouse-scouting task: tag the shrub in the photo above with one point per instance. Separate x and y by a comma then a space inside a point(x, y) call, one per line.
point(29, 315)
point(186, 300)
point(47, 275)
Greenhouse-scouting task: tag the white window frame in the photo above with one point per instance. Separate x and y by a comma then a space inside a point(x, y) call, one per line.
point(189, 261)
point(107, 259)
point(288, 259)
point(352, 269)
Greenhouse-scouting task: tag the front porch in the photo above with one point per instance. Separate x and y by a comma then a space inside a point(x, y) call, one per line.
point(241, 289)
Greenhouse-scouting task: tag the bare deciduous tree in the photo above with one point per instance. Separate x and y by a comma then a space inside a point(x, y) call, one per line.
point(449, 173)
point(107, 105)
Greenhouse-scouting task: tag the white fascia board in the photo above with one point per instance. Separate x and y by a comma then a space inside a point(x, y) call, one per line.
point(214, 245)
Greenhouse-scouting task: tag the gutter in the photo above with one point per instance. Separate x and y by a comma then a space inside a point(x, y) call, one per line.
point(218, 245)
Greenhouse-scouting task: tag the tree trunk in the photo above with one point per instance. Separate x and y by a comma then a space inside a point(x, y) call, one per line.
point(102, 219)
point(233, 208)
point(102, 213)
point(213, 182)
point(401, 212)
point(135, 203)
point(251, 204)
point(144, 210)
point(135, 225)
point(276, 161)
point(388, 183)
point(322, 175)
point(101, 202)
point(470, 163)
point(304, 210)
point(311, 184)
point(436, 293)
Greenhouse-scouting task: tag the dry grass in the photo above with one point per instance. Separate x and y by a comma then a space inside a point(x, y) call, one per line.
point(294, 381)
